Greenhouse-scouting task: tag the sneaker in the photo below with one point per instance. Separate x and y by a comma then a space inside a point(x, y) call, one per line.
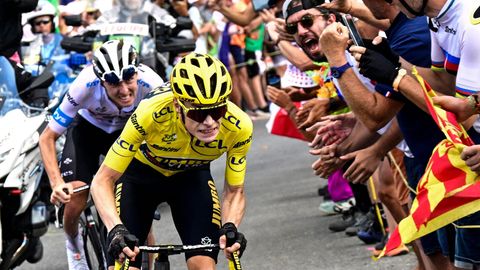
point(326, 207)
point(344, 206)
point(364, 221)
point(76, 254)
point(370, 236)
point(347, 220)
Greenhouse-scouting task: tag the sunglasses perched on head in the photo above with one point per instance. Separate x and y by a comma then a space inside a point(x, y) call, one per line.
point(125, 74)
point(200, 114)
point(46, 21)
point(306, 21)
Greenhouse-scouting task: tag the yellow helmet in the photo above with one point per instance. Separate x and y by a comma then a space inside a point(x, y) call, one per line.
point(201, 79)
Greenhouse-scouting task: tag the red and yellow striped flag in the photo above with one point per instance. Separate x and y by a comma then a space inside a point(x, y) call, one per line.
point(448, 190)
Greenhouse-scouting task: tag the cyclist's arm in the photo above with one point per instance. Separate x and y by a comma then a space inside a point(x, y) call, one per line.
point(233, 204)
point(102, 189)
point(49, 155)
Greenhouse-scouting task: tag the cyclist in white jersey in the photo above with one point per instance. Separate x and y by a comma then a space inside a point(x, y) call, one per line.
point(93, 112)
point(455, 33)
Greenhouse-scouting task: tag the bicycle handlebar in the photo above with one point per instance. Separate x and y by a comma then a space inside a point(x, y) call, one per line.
point(176, 249)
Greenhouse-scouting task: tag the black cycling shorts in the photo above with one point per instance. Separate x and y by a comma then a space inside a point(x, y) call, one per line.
point(192, 197)
point(84, 145)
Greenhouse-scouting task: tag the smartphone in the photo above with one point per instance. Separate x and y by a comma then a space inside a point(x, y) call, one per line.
point(352, 30)
point(308, 4)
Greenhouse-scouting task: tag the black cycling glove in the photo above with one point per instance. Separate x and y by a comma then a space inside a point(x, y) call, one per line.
point(118, 238)
point(233, 236)
point(384, 49)
point(376, 67)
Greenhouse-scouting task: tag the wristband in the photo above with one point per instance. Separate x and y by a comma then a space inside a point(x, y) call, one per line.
point(401, 73)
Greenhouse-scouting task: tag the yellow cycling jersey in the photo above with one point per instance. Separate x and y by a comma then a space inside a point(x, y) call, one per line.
point(156, 136)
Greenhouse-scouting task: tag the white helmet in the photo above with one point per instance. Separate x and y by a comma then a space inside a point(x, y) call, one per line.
point(44, 8)
point(115, 61)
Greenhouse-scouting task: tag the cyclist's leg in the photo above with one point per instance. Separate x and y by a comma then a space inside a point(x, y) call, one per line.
point(80, 161)
point(197, 215)
point(137, 195)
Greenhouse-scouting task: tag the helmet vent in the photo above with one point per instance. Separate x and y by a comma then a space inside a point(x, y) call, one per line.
point(222, 68)
point(195, 62)
point(175, 87)
point(209, 61)
point(200, 84)
point(223, 89)
point(183, 73)
point(213, 82)
point(189, 90)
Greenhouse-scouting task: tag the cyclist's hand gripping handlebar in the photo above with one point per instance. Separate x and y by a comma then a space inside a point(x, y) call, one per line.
point(233, 236)
point(119, 238)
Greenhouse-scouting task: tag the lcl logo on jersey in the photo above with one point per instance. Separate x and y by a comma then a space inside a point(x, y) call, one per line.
point(233, 120)
point(126, 145)
point(159, 116)
point(237, 164)
point(213, 148)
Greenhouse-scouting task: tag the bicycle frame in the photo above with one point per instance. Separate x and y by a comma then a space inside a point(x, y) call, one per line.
point(92, 231)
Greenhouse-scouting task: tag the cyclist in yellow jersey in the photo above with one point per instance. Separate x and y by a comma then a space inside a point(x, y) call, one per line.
point(164, 154)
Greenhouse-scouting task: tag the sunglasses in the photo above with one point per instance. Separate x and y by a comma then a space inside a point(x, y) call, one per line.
point(389, 1)
point(200, 114)
point(112, 77)
point(37, 23)
point(306, 21)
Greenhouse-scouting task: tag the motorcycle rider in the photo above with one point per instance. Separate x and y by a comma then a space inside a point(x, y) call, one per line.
point(93, 112)
point(43, 44)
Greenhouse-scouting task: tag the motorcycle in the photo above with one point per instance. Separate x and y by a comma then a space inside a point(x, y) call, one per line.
point(23, 183)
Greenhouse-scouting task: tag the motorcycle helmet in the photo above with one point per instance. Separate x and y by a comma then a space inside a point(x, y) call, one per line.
point(201, 79)
point(115, 61)
point(44, 8)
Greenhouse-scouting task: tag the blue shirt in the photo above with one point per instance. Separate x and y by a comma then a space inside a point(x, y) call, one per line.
point(411, 40)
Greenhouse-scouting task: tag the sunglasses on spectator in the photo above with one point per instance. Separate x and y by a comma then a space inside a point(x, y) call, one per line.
point(306, 21)
point(200, 114)
point(389, 1)
point(126, 74)
point(46, 21)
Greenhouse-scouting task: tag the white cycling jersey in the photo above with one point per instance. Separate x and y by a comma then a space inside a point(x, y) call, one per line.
point(89, 98)
point(456, 43)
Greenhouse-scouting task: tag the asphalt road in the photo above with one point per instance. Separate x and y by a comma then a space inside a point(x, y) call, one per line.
point(282, 223)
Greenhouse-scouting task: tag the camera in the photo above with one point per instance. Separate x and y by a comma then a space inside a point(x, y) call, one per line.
point(165, 36)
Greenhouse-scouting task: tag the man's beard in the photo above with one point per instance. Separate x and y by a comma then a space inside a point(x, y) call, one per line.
point(319, 57)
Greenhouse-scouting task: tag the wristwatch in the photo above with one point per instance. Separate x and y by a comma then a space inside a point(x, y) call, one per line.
point(337, 72)
point(401, 73)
